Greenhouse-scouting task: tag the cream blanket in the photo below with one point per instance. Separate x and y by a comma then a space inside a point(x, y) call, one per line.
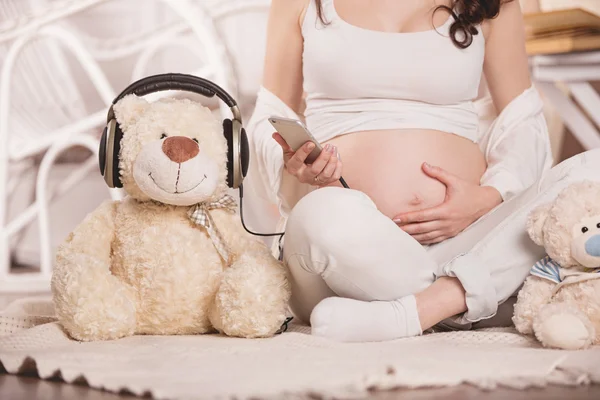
point(293, 364)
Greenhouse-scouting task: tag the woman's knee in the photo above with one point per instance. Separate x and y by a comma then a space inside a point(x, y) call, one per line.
point(328, 202)
point(590, 165)
point(576, 168)
point(322, 217)
point(340, 235)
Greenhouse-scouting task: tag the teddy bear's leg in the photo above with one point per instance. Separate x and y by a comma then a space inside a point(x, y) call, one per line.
point(252, 299)
point(534, 294)
point(562, 326)
point(90, 302)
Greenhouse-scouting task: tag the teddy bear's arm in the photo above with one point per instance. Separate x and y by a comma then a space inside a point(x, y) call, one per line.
point(90, 302)
point(254, 292)
point(535, 293)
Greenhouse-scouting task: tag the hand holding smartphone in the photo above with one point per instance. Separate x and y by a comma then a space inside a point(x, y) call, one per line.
point(296, 134)
point(321, 165)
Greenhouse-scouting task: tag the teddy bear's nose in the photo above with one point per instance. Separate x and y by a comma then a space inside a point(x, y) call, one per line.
point(592, 246)
point(180, 148)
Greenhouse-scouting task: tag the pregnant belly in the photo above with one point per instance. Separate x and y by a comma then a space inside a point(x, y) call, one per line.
point(387, 166)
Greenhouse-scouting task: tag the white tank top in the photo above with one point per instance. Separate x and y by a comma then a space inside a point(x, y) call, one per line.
point(359, 79)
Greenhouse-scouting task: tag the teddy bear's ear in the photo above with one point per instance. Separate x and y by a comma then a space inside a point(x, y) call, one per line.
point(535, 223)
point(129, 109)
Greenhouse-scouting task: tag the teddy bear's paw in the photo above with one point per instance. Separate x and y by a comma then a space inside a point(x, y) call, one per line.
point(534, 295)
point(523, 317)
point(252, 299)
point(106, 312)
point(561, 328)
point(102, 321)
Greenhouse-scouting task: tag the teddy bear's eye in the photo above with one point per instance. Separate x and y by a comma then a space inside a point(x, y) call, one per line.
point(598, 225)
point(585, 229)
point(196, 140)
point(164, 135)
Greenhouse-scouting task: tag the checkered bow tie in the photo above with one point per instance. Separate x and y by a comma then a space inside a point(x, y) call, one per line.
point(199, 214)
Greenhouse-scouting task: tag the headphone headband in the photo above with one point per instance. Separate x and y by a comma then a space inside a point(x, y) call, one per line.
point(233, 130)
point(183, 82)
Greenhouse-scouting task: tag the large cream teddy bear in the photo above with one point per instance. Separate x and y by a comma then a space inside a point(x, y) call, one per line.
point(560, 301)
point(172, 257)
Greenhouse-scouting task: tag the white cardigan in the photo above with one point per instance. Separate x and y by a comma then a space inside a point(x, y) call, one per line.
point(516, 146)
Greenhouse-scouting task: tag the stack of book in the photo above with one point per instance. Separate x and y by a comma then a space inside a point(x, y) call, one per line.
point(562, 31)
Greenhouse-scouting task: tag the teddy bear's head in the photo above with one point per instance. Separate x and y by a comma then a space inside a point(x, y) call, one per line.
point(173, 151)
point(569, 227)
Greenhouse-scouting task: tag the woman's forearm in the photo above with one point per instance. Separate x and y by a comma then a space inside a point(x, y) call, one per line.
point(490, 199)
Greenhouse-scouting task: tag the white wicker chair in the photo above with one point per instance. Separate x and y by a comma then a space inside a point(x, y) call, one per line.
point(41, 115)
point(42, 110)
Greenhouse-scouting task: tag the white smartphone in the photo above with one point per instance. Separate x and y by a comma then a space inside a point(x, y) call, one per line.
point(296, 134)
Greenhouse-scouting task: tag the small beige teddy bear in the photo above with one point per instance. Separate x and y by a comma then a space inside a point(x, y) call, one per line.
point(149, 264)
point(560, 302)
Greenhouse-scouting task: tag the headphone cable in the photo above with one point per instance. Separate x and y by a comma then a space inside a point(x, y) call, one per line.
point(241, 187)
point(280, 234)
point(343, 182)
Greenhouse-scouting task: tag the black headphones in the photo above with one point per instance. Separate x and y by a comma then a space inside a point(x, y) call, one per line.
point(233, 130)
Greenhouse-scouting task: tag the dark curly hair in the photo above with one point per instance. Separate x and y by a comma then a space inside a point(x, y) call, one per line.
point(471, 13)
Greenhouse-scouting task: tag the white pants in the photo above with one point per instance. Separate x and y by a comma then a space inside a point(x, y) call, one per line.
point(338, 244)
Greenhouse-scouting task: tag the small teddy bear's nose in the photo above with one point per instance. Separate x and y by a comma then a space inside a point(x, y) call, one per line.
point(180, 148)
point(592, 246)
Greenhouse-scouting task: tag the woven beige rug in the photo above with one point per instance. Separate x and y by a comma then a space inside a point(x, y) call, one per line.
point(291, 365)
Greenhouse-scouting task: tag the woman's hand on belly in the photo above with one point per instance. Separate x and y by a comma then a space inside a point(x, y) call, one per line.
point(464, 203)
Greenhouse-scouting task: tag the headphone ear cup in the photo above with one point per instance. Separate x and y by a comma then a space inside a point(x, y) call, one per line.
point(244, 152)
point(102, 152)
point(116, 150)
point(228, 133)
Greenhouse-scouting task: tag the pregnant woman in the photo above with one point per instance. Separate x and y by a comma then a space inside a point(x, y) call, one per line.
point(432, 230)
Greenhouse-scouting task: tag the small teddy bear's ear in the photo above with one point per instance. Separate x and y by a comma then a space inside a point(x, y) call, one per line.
point(129, 109)
point(535, 223)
